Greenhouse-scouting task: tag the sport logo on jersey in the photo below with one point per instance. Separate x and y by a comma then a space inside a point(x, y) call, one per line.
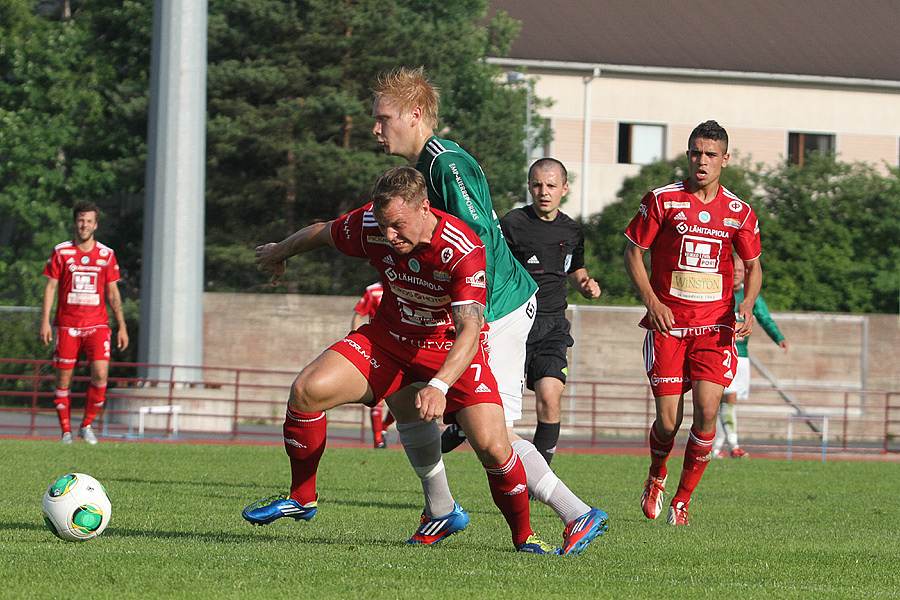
point(477, 280)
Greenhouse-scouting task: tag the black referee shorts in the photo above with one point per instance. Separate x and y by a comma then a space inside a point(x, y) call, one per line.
point(545, 351)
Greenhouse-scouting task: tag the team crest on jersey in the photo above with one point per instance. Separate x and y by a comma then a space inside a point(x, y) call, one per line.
point(731, 223)
point(477, 280)
point(735, 206)
point(441, 275)
point(704, 217)
point(681, 228)
point(85, 260)
point(413, 265)
point(673, 204)
point(388, 260)
point(446, 255)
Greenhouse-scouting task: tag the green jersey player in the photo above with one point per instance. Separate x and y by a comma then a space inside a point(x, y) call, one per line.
point(406, 115)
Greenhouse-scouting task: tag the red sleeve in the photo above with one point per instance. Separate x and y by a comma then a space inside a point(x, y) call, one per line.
point(365, 305)
point(346, 233)
point(747, 242)
point(646, 223)
point(468, 281)
point(51, 269)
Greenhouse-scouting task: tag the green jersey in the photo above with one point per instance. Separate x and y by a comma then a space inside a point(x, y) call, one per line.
point(762, 316)
point(457, 185)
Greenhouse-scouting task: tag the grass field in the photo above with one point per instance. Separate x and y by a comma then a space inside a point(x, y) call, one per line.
point(761, 529)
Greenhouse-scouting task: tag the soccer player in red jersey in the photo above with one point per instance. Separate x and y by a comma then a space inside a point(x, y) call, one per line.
point(428, 331)
point(82, 275)
point(363, 312)
point(691, 229)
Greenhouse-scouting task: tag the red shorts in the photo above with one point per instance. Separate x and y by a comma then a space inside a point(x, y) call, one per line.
point(390, 365)
point(71, 341)
point(692, 354)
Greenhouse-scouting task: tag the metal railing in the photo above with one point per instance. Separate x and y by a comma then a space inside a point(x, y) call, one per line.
point(248, 405)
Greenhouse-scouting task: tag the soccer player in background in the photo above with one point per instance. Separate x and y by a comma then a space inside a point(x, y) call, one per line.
point(691, 229)
point(406, 115)
point(550, 246)
point(427, 329)
point(82, 275)
point(362, 313)
point(739, 389)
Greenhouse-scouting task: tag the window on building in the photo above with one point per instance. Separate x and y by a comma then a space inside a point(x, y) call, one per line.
point(800, 145)
point(641, 144)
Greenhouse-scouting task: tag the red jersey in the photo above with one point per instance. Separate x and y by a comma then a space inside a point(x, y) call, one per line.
point(420, 287)
point(82, 276)
point(368, 304)
point(690, 243)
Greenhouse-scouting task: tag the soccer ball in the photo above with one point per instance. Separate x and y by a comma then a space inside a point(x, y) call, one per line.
point(76, 507)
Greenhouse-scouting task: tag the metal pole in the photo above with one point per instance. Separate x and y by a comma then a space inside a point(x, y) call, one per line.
point(172, 274)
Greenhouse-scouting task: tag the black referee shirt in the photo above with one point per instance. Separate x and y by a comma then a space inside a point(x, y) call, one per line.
point(549, 251)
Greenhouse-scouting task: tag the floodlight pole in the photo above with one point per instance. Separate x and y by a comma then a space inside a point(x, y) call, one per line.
point(172, 270)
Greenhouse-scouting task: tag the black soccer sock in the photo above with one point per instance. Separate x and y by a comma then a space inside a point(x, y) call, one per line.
point(546, 436)
point(452, 437)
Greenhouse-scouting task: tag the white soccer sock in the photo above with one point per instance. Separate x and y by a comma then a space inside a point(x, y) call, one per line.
point(719, 441)
point(545, 486)
point(728, 414)
point(422, 444)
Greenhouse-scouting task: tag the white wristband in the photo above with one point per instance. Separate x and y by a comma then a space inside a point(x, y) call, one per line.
point(437, 383)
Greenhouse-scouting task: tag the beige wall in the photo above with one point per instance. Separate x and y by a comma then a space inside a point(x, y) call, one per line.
point(758, 115)
point(286, 332)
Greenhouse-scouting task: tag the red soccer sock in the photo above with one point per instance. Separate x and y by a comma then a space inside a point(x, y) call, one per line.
point(660, 448)
point(93, 401)
point(507, 483)
point(61, 401)
point(375, 414)
point(696, 457)
point(304, 441)
point(388, 420)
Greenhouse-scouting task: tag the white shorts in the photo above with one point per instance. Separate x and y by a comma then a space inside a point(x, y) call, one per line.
point(740, 385)
point(506, 355)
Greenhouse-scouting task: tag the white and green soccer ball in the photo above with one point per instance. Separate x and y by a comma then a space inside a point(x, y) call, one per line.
point(76, 507)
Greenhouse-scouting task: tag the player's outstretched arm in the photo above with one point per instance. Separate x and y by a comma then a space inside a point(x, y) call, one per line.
point(272, 257)
point(468, 319)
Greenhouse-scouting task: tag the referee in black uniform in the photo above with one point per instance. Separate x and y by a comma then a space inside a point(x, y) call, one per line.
point(550, 245)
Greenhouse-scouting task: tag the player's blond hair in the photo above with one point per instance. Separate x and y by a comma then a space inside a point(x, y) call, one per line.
point(408, 88)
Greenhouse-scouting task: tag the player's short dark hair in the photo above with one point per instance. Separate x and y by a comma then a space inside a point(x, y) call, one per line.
point(547, 163)
point(405, 182)
point(709, 130)
point(83, 206)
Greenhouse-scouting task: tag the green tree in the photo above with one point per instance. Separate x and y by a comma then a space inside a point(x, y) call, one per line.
point(64, 136)
point(831, 237)
point(290, 128)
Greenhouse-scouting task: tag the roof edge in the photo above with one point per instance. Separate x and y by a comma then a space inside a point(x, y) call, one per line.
point(596, 69)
